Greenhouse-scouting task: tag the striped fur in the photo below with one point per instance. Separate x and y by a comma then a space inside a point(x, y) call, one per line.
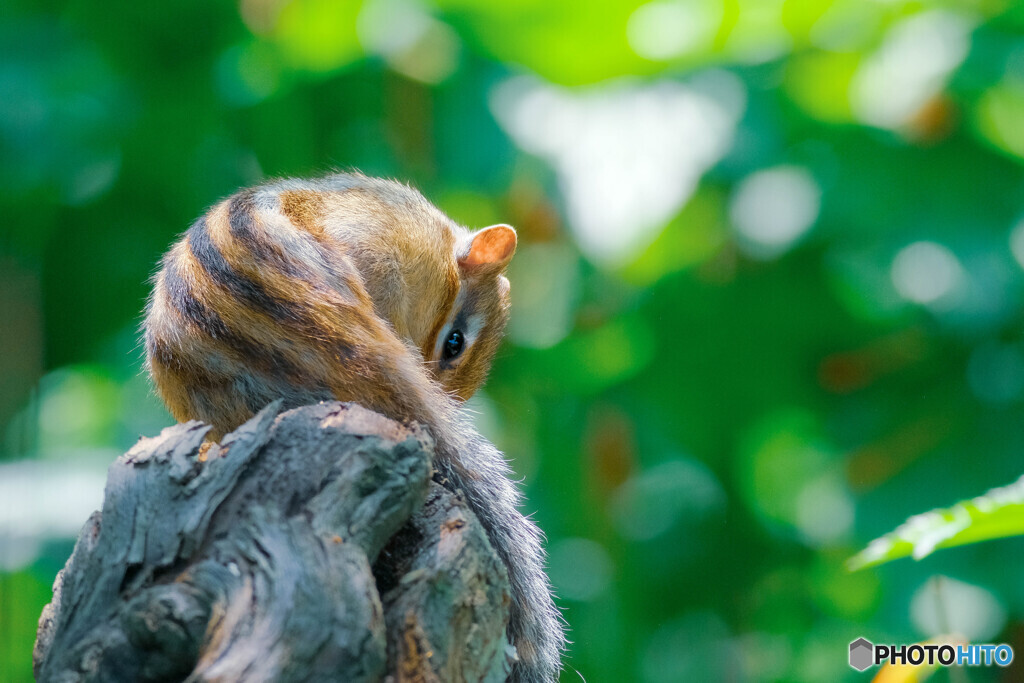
point(346, 287)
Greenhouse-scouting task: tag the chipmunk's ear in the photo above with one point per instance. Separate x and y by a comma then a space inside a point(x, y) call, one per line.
point(489, 250)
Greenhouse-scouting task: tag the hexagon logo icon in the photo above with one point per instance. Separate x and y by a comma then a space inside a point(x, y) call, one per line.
point(861, 654)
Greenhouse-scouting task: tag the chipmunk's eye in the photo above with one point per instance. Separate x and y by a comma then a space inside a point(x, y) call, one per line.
point(453, 345)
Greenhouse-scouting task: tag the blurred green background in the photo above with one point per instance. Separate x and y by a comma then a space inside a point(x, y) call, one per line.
point(769, 299)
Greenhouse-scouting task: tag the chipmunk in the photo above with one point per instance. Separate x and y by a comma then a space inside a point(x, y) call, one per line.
point(353, 288)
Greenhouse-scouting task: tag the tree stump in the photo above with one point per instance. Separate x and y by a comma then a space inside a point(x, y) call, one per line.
point(307, 546)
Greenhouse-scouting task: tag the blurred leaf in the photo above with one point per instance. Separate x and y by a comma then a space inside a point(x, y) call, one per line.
point(997, 514)
point(800, 18)
point(820, 83)
point(22, 596)
point(319, 35)
point(837, 591)
point(581, 45)
point(999, 114)
point(783, 454)
point(598, 359)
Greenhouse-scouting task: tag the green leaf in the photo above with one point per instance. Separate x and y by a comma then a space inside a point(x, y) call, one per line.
point(997, 514)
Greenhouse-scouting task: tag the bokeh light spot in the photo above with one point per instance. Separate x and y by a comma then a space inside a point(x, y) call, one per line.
point(628, 156)
point(1017, 242)
point(784, 454)
point(650, 503)
point(772, 209)
point(412, 41)
point(926, 272)
point(78, 408)
point(846, 25)
point(943, 605)
point(695, 647)
point(247, 74)
point(664, 29)
point(758, 34)
point(995, 373)
point(580, 569)
point(546, 278)
point(824, 510)
point(911, 67)
point(41, 501)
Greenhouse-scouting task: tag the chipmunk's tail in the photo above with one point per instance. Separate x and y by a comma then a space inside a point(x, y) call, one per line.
point(475, 467)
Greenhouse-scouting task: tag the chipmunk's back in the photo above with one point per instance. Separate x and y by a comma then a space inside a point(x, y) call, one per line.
point(309, 290)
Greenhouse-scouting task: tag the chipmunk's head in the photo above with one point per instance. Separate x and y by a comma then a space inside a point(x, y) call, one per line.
point(440, 286)
point(460, 350)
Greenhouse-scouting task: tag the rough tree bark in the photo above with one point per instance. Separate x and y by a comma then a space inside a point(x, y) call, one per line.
point(307, 546)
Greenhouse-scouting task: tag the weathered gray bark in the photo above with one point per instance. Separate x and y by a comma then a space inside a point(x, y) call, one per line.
point(310, 546)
